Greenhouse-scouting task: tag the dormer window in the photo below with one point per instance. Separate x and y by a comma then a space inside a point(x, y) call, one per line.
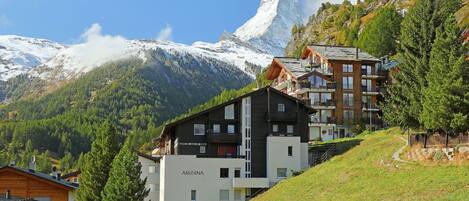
point(281, 107)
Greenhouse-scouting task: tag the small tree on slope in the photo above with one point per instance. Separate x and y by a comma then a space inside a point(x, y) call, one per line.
point(95, 170)
point(124, 182)
point(446, 99)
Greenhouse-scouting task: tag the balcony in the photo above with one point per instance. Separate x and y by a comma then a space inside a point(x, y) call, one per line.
point(315, 121)
point(282, 116)
point(370, 90)
point(250, 183)
point(223, 137)
point(328, 105)
point(370, 107)
point(307, 87)
point(371, 74)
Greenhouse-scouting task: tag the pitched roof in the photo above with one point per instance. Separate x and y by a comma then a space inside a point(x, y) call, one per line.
point(267, 88)
point(71, 174)
point(42, 176)
point(297, 67)
point(342, 53)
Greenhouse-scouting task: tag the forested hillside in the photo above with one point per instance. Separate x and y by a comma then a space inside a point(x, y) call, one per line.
point(136, 96)
point(341, 24)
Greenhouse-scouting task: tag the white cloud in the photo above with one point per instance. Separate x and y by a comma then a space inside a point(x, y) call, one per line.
point(4, 22)
point(98, 48)
point(166, 33)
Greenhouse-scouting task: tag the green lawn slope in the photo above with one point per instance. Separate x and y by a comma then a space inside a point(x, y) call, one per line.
point(368, 172)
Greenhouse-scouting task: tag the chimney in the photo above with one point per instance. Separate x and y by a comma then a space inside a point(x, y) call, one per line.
point(7, 195)
point(32, 164)
point(356, 54)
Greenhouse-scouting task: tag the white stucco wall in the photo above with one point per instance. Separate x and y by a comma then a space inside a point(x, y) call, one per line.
point(304, 156)
point(277, 156)
point(179, 174)
point(152, 178)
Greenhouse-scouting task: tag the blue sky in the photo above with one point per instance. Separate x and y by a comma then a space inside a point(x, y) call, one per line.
point(182, 21)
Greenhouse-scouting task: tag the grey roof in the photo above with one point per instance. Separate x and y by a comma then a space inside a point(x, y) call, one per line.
point(342, 53)
point(42, 176)
point(296, 66)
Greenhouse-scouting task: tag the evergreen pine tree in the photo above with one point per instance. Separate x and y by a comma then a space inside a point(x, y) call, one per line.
point(124, 182)
point(446, 99)
point(95, 170)
point(417, 35)
point(26, 155)
point(44, 164)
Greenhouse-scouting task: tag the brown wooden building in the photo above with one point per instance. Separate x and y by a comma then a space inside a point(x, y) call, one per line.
point(342, 83)
point(26, 184)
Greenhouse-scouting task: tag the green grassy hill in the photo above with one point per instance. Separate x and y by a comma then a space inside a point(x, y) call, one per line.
point(368, 172)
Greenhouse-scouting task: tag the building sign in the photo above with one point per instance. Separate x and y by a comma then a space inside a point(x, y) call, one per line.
point(192, 172)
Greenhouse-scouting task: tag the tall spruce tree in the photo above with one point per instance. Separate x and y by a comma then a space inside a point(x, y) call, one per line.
point(446, 99)
point(418, 31)
point(95, 170)
point(124, 182)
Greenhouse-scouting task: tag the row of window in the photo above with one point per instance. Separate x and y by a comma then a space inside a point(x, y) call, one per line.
point(225, 173)
point(224, 194)
point(199, 129)
point(290, 128)
point(348, 68)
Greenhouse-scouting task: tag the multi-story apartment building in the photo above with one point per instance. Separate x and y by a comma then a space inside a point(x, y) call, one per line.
point(341, 83)
point(232, 150)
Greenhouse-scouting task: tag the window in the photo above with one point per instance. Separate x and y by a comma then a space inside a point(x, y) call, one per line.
point(202, 149)
point(348, 115)
point(224, 195)
point(316, 81)
point(366, 101)
point(290, 129)
point(290, 151)
point(151, 169)
point(326, 97)
point(199, 129)
point(347, 68)
point(326, 116)
point(347, 82)
point(281, 172)
point(275, 128)
point(216, 128)
point(224, 172)
point(237, 194)
point(315, 99)
point(281, 107)
point(366, 85)
point(229, 112)
point(231, 129)
point(348, 99)
point(193, 195)
point(237, 173)
point(75, 180)
point(366, 70)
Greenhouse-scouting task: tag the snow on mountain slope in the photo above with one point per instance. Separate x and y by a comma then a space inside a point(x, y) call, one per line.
point(21, 54)
point(270, 29)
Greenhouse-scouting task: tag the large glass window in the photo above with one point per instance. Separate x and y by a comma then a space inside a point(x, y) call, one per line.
point(315, 99)
point(348, 115)
point(347, 68)
point(229, 112)
point(347, 82)
point(326, 115)
point(366, 70)
point(224, 195)
point(199, 129)
point(326, 97)
point(316, 81)
point(281, 172)
point(348, 99)
point(366, 85)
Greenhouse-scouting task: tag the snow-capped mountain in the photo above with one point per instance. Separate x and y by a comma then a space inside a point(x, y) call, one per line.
point(21, 54)
point(254, 43)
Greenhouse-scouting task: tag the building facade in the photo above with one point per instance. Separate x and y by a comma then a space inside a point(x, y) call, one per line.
point(29, 184)
point(151, 171)
point(232, 150)
point(342, 83)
